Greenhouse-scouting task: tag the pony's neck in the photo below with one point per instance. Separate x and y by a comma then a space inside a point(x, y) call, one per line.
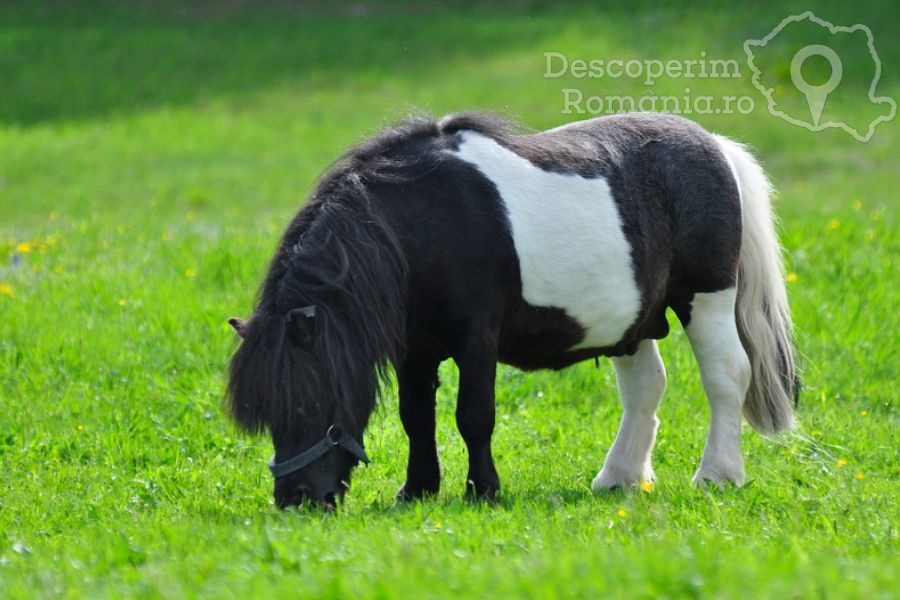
point(349, 262)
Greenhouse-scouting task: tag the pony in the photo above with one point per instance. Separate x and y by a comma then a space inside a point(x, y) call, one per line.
point(469, 238)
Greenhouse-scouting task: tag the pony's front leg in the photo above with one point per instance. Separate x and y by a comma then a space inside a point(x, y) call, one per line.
point(477, 363)
point(642, 380)
point(418, 381)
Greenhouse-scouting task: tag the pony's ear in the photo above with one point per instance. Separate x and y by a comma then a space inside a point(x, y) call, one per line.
point(239, 325)
point(301, 323)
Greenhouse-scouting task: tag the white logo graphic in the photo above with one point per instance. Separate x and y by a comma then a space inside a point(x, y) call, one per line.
point(817, 95)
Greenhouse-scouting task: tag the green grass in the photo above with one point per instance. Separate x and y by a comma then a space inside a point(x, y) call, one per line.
point(149, 158)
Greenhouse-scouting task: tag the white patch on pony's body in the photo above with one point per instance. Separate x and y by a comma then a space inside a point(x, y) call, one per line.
point(725, 371)
point(568, 235)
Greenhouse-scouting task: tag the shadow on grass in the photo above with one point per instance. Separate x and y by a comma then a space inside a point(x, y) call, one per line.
point(507, 501)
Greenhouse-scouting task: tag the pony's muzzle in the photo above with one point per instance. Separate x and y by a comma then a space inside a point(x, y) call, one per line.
point(297, 496)
point(301, 495)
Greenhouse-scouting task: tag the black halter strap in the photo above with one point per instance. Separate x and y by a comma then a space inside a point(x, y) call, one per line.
point(333, 437)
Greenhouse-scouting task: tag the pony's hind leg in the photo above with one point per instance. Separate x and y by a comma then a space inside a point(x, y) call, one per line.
point(725, 371)
point(641, 380)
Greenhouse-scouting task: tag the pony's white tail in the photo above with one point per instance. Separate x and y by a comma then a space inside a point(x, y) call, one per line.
point(762, 312)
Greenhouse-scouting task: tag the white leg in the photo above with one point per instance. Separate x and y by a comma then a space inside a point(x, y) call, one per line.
point(642, 380)
point(725, 371)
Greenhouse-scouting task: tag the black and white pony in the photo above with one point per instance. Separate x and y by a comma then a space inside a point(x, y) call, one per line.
point(464, 239)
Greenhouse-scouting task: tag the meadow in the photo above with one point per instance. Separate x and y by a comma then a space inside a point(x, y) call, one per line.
point(150, 156)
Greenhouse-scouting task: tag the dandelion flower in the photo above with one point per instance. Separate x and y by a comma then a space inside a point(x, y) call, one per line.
point(864, 413)
point(622, 512)
point(860, 475)
point(842, 462)
point(122, 302)
point(23, 247)
point(647, 486)
point(7, 290)
point(792, 277)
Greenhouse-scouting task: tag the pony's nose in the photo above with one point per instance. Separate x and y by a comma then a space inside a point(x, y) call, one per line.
point(295, 497)
point(302, 494)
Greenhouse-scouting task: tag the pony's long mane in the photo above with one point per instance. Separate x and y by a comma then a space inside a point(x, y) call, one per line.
point(341, 255)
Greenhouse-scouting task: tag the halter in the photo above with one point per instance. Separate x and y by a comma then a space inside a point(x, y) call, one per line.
point(333, 437)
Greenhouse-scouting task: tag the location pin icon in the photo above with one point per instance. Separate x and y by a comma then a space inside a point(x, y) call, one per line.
point(816, 95)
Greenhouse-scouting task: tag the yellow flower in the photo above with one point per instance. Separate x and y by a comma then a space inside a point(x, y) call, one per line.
point(833, 224)
point(864, 413)
point(860, 475)
point(23, 248)
point(647, 486)
point(190, 272)
point(622, 512)
point(7, 290)
point(122, 302)
point(842, 462)
point(857, 205)
point(792, 277)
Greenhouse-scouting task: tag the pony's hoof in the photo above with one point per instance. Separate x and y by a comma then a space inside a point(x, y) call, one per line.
point(482, 493)
point(717, 476)
point(411, 493)
point(612, 479)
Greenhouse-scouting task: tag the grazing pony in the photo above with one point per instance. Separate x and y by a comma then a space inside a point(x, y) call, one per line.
point(466, 239)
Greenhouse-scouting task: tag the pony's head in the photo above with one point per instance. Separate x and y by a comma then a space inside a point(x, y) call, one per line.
point(328, 322)
point(287, 380)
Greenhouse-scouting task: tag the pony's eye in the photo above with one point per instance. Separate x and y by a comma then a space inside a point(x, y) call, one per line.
point(302, 330)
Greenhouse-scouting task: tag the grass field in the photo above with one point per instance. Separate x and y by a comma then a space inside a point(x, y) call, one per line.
point(149, 158)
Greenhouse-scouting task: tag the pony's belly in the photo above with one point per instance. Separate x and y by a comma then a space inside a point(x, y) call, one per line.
point(548, 338)
point(567, 231)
